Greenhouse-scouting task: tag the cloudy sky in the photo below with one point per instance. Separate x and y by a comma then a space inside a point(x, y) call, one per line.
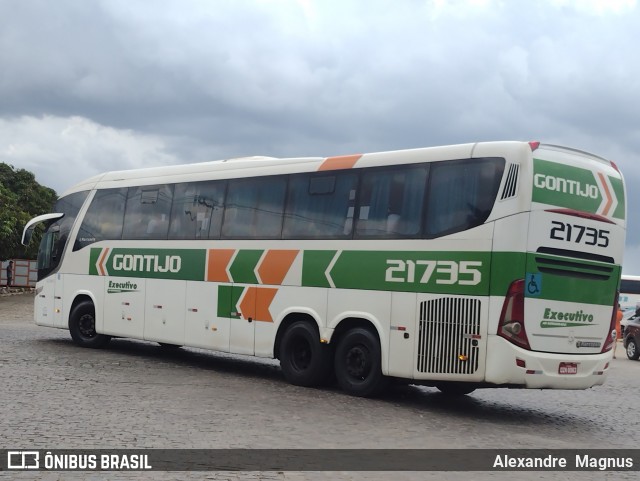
point(88, 85)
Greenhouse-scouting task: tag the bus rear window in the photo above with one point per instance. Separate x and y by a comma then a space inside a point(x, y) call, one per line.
point(461, 194)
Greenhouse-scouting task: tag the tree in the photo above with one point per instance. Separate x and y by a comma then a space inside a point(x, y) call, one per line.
point(21, 198)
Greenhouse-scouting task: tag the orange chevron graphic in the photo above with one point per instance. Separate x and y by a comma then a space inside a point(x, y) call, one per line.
point(339, 162)
point(275, 265)
point(264, 298)
point(609, 203)
point(255, 303)
point(101, 260)
point(247, 304)
point(217, 264)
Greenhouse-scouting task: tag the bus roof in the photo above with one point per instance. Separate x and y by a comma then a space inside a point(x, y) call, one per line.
point(262, 165)
point(582, 153)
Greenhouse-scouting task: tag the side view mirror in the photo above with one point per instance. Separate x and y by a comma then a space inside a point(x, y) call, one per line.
point(27, 233)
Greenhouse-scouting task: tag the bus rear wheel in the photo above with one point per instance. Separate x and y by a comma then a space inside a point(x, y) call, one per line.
point(303, 359)
point(358, 363)
point(82, 326)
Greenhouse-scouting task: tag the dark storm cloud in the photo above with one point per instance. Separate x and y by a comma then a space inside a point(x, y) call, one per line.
point(228, 72)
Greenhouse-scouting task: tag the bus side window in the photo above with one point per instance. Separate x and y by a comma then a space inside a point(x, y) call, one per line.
point(461, 194)
point(320, 206)
point(103, 220)
point(391, 202)
point(254, 208)
point(197, 210)
point(147, 212)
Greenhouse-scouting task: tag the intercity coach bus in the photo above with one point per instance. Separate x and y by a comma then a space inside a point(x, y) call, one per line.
point(629, 294)
point(468, 266)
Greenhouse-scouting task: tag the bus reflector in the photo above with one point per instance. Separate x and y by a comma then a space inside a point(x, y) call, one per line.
point(521, 363)
point(534, 145)
point(511, 326)
point(613, 164)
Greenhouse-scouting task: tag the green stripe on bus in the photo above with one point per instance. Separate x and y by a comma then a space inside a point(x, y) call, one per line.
point(314, 265)
point(572, 187)
point(572, 280)
point(243, 266)
point(405, 271)
point(176, 264)
point(506, 267)
point(94, 255)
point(228, 297)
point(437, 272)
point(565, 186)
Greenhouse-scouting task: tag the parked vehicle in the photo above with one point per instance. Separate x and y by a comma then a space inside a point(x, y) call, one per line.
point(632, 338)
point(629, 299)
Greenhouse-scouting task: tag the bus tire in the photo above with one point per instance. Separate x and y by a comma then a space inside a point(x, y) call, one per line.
point(82, 326)
point(455, 388)
point(358, 363)
point(303, 359)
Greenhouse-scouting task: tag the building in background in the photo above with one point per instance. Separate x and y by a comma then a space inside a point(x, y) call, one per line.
point(25, 273)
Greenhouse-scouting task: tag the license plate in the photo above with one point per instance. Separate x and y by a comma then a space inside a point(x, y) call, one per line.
point(568, 368)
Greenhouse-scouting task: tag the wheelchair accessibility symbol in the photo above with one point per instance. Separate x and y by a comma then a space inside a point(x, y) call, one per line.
point(534, 284)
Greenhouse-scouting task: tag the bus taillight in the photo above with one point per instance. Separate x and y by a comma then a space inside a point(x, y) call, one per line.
point(613, 334)
point(511, 325)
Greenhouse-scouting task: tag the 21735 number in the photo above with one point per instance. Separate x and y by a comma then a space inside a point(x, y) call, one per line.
point(579, 234)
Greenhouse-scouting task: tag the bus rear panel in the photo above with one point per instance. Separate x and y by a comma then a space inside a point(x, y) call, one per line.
point(556, 325)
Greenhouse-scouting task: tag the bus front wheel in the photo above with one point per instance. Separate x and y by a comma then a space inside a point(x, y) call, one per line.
point(303, 359)
point(82, 325)
point(358, 363)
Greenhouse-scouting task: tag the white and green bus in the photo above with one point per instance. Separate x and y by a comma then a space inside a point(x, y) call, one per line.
point(480, 265)
point(629, 295)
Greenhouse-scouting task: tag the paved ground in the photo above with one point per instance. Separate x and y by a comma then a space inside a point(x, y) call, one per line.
point(55, 395)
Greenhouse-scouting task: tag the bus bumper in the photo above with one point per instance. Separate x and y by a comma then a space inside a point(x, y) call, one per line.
point(512, 365)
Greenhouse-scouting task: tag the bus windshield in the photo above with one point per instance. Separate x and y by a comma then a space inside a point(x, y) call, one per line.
point(56, 233)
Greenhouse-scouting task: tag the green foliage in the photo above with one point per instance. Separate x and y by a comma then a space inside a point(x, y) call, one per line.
point(21, 198)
